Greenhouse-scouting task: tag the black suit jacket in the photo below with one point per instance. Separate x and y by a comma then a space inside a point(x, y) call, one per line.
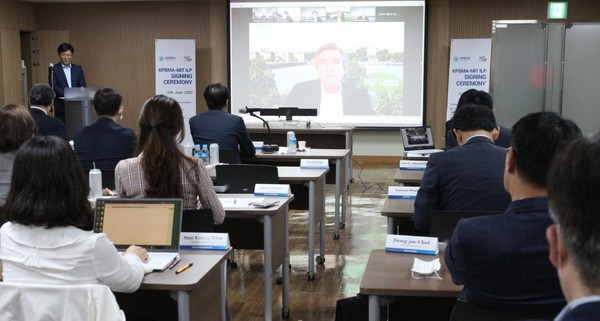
point(59, 83)
point(468, 177)
point(223, 128)
point(585, 312)
point(502, 260)
point(48, 125)
point(307, 94)
point(105, 143)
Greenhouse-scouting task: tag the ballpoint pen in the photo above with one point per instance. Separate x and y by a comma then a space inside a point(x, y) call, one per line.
point(183, 268)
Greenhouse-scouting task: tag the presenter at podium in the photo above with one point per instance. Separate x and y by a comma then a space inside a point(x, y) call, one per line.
point(65, 74)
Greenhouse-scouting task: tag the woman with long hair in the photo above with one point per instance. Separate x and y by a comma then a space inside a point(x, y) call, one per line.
point(161, 170)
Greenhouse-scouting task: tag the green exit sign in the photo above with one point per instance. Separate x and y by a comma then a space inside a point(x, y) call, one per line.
point(557, 10)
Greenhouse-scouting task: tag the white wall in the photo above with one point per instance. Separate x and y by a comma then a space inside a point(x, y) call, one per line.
point(377, 143)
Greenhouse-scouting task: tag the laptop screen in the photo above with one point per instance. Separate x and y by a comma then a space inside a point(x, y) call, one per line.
point(415, 138)
point(154, 224)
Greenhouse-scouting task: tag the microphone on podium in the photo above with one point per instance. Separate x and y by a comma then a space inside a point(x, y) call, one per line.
point(266, 148)
point(51, 75)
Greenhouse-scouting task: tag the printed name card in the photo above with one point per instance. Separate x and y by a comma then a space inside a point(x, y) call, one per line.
point(272, 190)
point(314, 163)
point(257, 144)
point(411, 244)
point(403, 191)
point(414, 165)
point(204, 241)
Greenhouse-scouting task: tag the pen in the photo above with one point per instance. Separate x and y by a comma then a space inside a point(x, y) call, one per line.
point(183, 268)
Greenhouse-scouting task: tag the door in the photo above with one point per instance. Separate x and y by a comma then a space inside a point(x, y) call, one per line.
point(43, 53)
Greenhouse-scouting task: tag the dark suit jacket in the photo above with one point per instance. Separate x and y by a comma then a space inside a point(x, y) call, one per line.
point(502, 141)
point(59, 83)
point(502, 260)
point(223, 128)
point(585, 312)
point(104, 142)
point(469, 177)
point(48, 125)
point(307, 94)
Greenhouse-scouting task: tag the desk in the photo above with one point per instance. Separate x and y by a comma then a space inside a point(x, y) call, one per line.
point(397, 208)
point(341, 157)
point(388, 274)
point(408, 176)
point(276, 239)
point(315, 179)
point(199, 288)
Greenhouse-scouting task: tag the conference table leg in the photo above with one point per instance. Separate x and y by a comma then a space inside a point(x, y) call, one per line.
point(183, 305)
point(224, 291)
point(267, 266)
point(285, 271)
point(338, 187)
point(322, 223)
point(311, 230)
point(344, 191)
point(373, 308)
point(390, 225)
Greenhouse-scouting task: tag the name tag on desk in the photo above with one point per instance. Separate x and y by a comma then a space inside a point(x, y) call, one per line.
point(403, 191)
point(257, 145)
point(314, 163)
point(415, 165)
point(272, 190)
point(204, 241)
point(411, 244)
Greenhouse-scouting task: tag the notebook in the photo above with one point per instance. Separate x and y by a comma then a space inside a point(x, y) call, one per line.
point(418, 140)
point(154, 224)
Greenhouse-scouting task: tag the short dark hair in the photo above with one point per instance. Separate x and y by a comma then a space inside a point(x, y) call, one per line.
point(16, 126)
point(474, 117)
point(48, 187)
point(216, 95)
point(107, 101)
point(65, 47)
point(477, 97)
point(573, 184)
point(41, 95)
point(536, 138)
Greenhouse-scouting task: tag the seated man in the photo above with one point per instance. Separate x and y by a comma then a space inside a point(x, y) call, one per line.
point(218, 126)
point(573, 184)
point(105, 142)
point(41, 98)
point(478, 97)
point(502, 259)
point(468, 177)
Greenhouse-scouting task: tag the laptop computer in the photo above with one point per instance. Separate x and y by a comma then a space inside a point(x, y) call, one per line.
point(418, 141)
point(154, 224)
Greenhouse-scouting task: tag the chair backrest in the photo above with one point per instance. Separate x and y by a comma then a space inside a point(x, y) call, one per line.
point(465, 311)
point(198, 221)
point(442, 223)
point(87, 302)
point(229, 156)
point(241, 178)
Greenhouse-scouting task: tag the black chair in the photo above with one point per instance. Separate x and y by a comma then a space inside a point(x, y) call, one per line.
point(241, 178)
point(198, 221)
point(465, 311)
point(442, 223)
point(229, 156)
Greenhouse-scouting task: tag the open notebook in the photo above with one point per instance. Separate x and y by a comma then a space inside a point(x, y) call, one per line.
point(154, 224)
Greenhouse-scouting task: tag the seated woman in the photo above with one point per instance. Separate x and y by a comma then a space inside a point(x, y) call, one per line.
point(47, 204)
point(161, 170)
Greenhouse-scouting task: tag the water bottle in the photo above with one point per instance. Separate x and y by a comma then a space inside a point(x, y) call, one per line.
point(292, 144)
point(95, 178)
point(214, 154)
point(198, 151)
point(204, 155)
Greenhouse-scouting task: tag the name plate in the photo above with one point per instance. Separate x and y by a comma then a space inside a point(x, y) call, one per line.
point(411, 244)
point(403, 191)
point(413, 165)
point(314, 163)
point(204, 241)
point(272, 190)
point(257, 144)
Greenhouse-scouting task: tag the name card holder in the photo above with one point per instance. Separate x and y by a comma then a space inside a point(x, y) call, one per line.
point(272, 190)
point(257, 145)
point(204, 241)
point(413, 165)
point(411, 244)
point(403, 191)
point(314, 163)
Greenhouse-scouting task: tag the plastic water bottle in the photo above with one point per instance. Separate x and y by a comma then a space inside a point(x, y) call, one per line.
point(204, 155)
point(214, 153)
point(95, 178)
point(198, 151)
point(292, 143)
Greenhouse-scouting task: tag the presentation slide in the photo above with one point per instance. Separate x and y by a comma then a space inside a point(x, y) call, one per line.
point(359, 63)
